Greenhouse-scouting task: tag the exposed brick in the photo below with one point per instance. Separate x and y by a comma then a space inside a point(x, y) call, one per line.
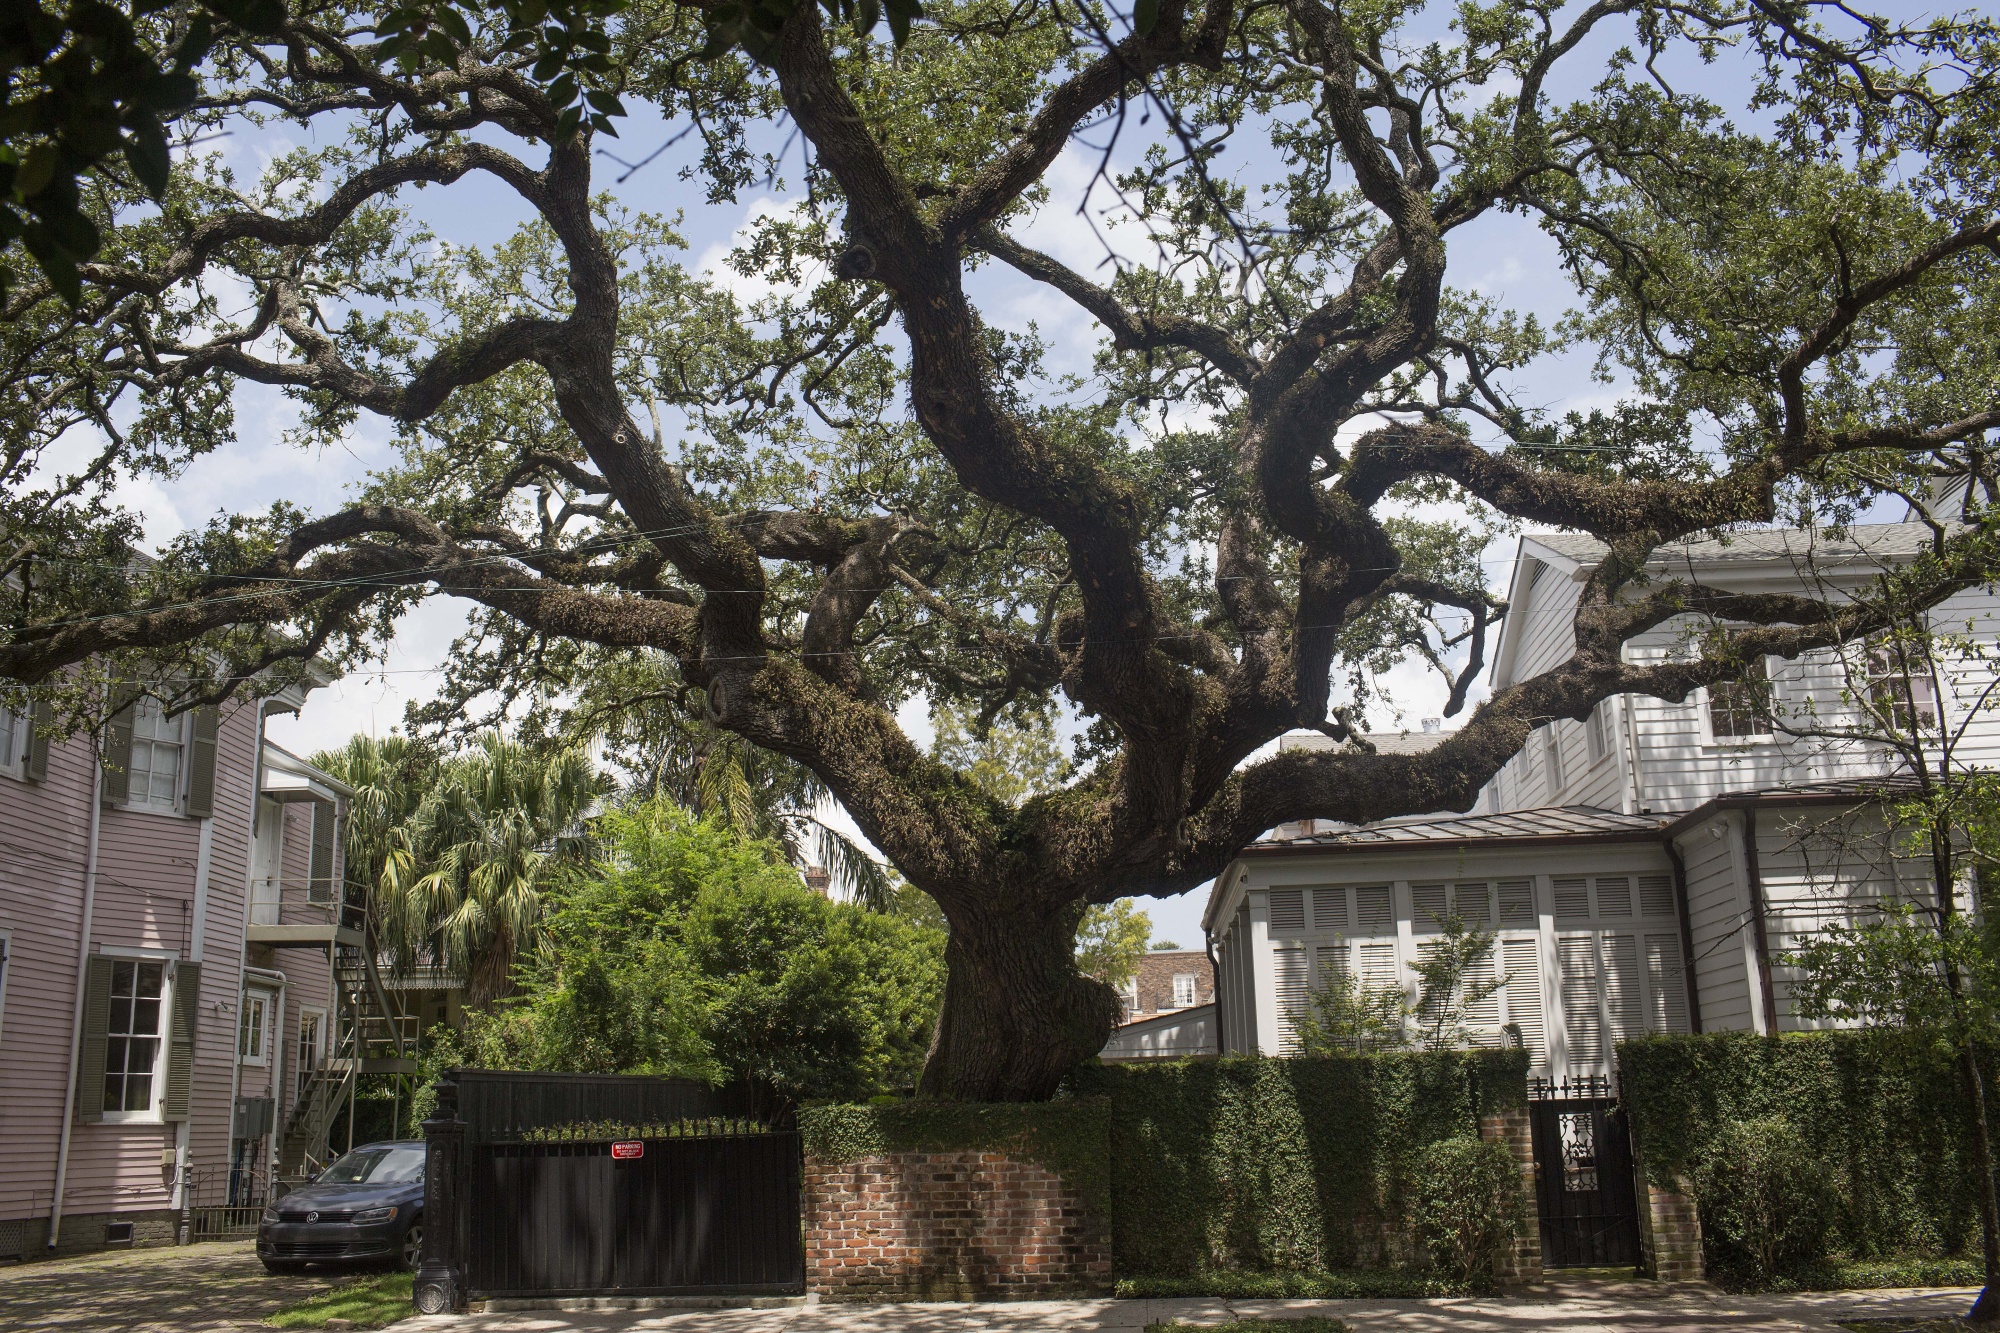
point(949, 1225)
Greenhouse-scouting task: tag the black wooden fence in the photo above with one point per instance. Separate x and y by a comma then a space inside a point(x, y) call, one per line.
point(550, 1185)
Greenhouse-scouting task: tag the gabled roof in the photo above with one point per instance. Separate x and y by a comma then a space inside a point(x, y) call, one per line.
point(1575, 554)
point(1886, 541)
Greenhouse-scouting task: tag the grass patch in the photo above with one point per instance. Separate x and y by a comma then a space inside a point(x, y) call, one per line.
point(1303, 1324)
point(370, 1302)
point(1369, 1285)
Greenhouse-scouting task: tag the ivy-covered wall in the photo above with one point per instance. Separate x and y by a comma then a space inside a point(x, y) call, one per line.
point(1283, 1166)
point(1881, 1111)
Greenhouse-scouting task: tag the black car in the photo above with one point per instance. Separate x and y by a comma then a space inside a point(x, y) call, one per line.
point(368, 1207)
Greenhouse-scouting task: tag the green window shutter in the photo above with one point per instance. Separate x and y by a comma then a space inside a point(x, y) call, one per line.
point(180, 1040)
point(118, 757)
point(201, 761)
point(319, 888)
point(39, 719)
point(96, 1018)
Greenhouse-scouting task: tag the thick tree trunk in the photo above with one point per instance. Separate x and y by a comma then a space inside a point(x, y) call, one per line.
point(1017, 1014)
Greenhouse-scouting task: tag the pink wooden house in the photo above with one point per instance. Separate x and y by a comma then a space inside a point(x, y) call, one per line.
point(181, 971)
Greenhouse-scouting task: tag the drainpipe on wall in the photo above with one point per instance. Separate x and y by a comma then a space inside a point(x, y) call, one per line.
point(82, 979)
point(1757, 929)
point(1682, 911)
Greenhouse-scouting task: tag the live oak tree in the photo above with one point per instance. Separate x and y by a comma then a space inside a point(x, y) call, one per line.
point(795, 510)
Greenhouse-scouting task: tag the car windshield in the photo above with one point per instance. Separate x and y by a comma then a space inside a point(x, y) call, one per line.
point(386, 1165)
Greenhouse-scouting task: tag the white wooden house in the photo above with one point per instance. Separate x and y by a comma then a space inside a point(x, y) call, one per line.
point(1645, 870)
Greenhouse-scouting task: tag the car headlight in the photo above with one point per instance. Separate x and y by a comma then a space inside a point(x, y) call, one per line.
point(270, 1213)
point(370, 1216)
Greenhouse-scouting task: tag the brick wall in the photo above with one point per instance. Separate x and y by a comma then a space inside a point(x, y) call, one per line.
point(1670, 1229)
point(950, 1226)
point(1524, 1262)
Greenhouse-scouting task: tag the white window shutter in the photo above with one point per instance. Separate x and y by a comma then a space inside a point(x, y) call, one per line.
point(1290, 986)
point(1621, 986)
point(1666, 985)
point(1582, 999)
point(1524, 994)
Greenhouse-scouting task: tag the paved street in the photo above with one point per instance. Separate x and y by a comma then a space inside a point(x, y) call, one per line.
point(210, 1288)
point(222, 1289)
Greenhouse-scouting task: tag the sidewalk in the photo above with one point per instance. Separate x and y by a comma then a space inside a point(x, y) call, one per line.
point(1571, 1308)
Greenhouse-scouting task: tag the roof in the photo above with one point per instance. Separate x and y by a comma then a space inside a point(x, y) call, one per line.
point(1881, 540)
point(1562, 822)
point(285, 774)
point(1385, 742)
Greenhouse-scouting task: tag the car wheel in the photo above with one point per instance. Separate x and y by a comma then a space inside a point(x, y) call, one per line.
point(413, 1245)
point(283, 1266)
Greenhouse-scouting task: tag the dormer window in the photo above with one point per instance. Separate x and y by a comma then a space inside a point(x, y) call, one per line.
point(1740, 710)
point(1901, 687)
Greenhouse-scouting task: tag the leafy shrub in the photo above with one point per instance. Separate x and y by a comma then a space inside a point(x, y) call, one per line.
point(1465, 1197)
point(1763, 1199)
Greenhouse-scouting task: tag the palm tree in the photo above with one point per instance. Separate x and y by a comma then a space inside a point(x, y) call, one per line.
point(463, 877)
point(389, 776)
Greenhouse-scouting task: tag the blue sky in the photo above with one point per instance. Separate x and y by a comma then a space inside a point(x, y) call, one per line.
point(1503, 256)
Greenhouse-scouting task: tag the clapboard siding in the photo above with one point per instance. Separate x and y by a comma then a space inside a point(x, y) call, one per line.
point(148, 896)
point(1717, 905)
point(43, 831)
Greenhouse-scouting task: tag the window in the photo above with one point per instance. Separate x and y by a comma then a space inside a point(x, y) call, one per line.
point(1597, 736)
point(1741, 709)
point(1901, 686)
point(1552, 763)
point(1183, 989)
point(250, 1045)
point(156, 757)
point(13, 728)
point(312, 1033)
point(132, 1039)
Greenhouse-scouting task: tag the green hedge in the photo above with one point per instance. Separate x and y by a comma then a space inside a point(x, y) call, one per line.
point(1070, 1137)
point(1882, 1111)
point(1256, 1165)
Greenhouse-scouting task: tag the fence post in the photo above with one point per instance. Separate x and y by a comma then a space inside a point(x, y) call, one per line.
point(440, 1282)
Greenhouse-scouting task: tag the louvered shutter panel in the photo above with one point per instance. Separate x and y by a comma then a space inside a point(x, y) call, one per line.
point(1473, 902)
point(1666, 984)
point(40, 716)
point(96, 1019)
point(1289, 977)
point(201, 761)
point(1329, 909)
point(1582, 1001)
point(1482, 1015)
point(1517, 902)
point(1656, 895)
point(118, 757)
point(1378, 965)
point(1524, 994)
point(1621, 986)
point(1332, 962)
point(1288, 910)
point(1374, 912)
point(320, 888)
point(1614, 896)
point(180, 1040)
point(1428, 906)
point(1573, 898)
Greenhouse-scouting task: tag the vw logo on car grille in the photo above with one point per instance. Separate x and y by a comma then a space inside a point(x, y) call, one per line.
point(312, 1217)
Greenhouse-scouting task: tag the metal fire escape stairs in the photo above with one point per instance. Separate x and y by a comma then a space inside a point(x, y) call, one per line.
point(368, 1038)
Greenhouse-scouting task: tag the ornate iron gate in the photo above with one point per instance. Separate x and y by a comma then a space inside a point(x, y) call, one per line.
point(1583, 1160)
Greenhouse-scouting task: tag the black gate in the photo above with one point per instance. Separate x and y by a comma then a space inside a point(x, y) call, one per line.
point(551, 1185)
point(1583, 1160)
